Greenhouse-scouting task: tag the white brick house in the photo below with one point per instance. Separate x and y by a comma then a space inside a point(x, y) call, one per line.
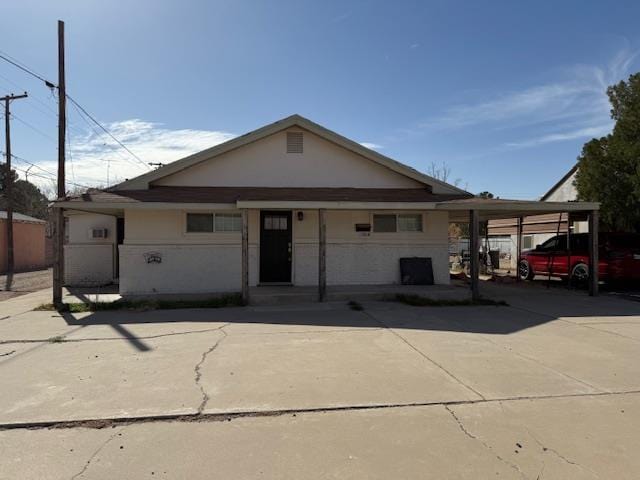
point(290, 203)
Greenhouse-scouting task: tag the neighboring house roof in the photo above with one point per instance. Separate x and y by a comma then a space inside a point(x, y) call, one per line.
point(19, 217)
point(143, 181)
point(560, 182)
point(235, 194)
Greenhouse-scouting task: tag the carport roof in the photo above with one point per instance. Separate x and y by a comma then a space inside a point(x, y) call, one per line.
point(496, 208)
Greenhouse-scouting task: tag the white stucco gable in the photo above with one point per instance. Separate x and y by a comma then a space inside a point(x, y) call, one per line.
point(266, 163)
point(565, 189)
point(260, 159)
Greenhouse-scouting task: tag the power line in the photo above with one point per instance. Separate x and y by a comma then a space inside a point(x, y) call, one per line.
point(51, 85)
point(48, 172)
point(24, 68)
point(107, 132)
point(100, 134)
point(35, 129)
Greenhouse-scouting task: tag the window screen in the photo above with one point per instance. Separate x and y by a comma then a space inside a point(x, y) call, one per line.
point(384, 223)
point(199, 222)
point(410, 223)
point(228, 222)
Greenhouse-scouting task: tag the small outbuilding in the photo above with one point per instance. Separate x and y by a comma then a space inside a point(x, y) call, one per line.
point(28, 243)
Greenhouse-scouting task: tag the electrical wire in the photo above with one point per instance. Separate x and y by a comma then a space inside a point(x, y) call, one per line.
point(6, 57)
point(108, 132)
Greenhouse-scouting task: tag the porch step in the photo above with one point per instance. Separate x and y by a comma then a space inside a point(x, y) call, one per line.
point(361, 293)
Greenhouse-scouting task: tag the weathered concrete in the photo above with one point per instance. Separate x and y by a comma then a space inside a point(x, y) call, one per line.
point(577, 438)
point(103, 379)
point(549, 374)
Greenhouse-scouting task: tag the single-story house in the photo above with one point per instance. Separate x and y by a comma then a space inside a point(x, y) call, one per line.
point(536, 229)
point(28, 242)
point(291, 203)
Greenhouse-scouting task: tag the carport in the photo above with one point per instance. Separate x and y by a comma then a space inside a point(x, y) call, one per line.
point(476, 210)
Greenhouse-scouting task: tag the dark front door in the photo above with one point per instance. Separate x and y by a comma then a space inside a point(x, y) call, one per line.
point(275, 246)
point(119, 241)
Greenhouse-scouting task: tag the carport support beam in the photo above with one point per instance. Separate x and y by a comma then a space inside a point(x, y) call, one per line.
point(518, 248)
point(245, 256)
point(593, 253)
point(474, 253)
point(322, 255)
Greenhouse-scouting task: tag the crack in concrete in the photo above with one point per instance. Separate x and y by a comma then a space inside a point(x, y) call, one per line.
point(6, 354)
point(600, 329)
point(222, 416)
point(546, 449)
point(94, 455)
point(424, 355)
point(542, 364)
point(63, 338)
point(198, 372)
point(576, 324)
point(483, 443)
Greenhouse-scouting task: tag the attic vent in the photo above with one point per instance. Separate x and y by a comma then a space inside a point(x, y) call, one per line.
point(294, 142)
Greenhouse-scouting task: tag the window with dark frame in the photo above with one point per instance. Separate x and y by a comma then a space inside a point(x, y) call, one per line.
point(213, 222)
point(410, 222)
point(384, 223)
point(403, 222)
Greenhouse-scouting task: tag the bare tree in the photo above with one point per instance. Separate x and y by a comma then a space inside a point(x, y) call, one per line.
point(442, 172)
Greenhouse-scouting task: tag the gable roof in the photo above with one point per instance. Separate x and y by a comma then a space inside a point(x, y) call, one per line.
point(221, 195)
point(566, 177)
point(143, 181)
point(19, 217)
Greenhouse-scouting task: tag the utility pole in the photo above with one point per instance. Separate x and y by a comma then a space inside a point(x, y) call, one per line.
point(58, 264)
point(9, 180)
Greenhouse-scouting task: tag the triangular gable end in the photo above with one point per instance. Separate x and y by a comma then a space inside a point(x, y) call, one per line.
point(260, 159)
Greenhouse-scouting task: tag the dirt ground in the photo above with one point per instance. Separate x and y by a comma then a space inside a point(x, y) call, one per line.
point(25, 282)
point(547, 387)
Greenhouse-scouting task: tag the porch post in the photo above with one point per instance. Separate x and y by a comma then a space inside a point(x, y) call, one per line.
point(474, 247)
point(518, 248)
point(593, 253)
point(322, 255)
point(245, 256)
point(568, 249)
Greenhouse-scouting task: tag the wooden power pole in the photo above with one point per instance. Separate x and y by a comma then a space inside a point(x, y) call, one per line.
point(9, 179)
point(58, 264)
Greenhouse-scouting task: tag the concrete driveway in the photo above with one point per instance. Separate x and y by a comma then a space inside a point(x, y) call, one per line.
point(546, 388)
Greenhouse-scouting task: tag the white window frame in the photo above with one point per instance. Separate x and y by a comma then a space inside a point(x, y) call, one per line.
point(397, 230)
point(214, 231)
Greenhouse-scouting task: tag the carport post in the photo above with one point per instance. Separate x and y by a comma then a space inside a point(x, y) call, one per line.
point(474, 249)
point(245, 256)
point(593, 253)
point(322, 255)
point(518, 248)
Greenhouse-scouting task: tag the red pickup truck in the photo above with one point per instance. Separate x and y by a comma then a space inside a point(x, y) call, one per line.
point(618, 258)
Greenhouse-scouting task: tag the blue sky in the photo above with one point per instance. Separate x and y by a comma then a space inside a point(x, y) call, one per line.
point(504, 93)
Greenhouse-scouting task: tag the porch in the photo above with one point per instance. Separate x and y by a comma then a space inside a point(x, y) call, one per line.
point(282, 295)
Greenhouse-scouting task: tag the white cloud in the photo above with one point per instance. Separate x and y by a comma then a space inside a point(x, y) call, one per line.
point(575, 107)
point(372, 146)
point(93, 158)
point(588, 132)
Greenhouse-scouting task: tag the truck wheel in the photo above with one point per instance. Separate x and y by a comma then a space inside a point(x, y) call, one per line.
point(580, 274)
point(525, 271)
